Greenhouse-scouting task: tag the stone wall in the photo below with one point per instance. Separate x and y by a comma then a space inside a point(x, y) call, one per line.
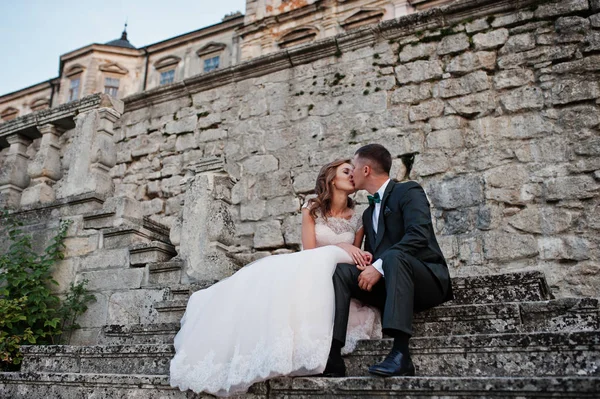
point(500, 99)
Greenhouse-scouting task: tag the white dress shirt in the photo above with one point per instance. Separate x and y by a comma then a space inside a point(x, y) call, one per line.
point(378, 264)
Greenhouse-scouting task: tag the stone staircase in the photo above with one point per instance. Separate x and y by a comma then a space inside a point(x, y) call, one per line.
point(503, 336)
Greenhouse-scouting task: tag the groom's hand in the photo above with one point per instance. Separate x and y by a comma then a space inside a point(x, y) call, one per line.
point(368, 278)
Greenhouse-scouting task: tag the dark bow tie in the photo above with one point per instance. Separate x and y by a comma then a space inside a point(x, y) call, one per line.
point(374, 199)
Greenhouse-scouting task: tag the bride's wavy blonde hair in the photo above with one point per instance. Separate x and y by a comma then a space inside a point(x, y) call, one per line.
point(322, 202)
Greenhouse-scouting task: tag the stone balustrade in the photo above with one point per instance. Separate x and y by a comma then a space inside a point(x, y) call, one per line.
point(59, 153)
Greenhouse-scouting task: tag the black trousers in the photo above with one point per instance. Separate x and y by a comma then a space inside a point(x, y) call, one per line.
point(408, 286)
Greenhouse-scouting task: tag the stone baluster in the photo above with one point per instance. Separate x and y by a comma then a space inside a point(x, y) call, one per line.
point(14, 177)
point(45, 169)
point(93, 151)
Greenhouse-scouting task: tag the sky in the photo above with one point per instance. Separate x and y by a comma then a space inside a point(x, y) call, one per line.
point(36, 32)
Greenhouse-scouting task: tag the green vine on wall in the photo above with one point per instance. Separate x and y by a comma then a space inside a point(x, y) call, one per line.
point(30, 313)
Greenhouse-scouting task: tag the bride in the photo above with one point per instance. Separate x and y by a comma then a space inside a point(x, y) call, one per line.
point(274, 317)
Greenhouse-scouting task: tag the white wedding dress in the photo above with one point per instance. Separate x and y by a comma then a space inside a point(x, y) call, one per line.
point(273, 317)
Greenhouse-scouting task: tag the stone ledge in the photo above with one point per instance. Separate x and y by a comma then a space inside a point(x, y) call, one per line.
point(434, 387)
point(61, 116)
point(527, 354)
point(73, 385)
point(438, 17)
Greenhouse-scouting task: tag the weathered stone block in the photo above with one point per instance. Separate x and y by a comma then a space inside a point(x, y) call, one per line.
point(595, 20)
point(153, 206)
point(518, 43)
point(133, 307)
point(510, 19)
point(421, 50)
point(570, 90)
point(254, 210)
point(543, 220)
point(292, 231)
point(78, 246)
point(592, 41)
point(268, 235)
point(458, 192)
point(411, 94)
point(180, 126)
point(474, 104)
point(571, 187)
point(569, 248)
point(419, 71)
point(507, 176)
point(97, 312)
point(586, 64)
point(524, 98)
point(102, 280)
point(105, 259)
point(453, 44)
point(503, 246)
point(518, 126)
point(431, 164)
point(536, 56)
point(477, 25)
point(490, 40)
point(426, 110)
point(448, 122)
point(560, 8)
point(452, 138)
point(283, 205)
point(260, 164)
point(185, 142)
point(513, 78)
point(468, 62)
point(211, 135)
point(471, 83)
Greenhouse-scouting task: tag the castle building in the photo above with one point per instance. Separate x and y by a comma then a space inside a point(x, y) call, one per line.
point(120, 69)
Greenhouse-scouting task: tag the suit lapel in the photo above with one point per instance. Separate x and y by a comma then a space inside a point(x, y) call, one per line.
point(380, 222)
point(369, 226)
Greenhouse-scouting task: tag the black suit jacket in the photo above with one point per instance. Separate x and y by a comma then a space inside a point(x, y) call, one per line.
point(405, 225)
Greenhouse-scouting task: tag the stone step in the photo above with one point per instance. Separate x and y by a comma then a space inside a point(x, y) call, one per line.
point(131, 234)
point(435, 387)
point(156, 333)
point(143, 253)
point(166, 273)
point(500, 288)
point(508, 287)
point(557, 315)
point(73, 385)
point(500, 355)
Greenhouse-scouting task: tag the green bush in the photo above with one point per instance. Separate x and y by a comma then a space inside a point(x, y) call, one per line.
point(30, 313)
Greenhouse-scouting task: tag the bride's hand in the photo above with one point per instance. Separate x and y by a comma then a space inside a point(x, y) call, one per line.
point(368, 257)
point(356, 254)
point(367, 260)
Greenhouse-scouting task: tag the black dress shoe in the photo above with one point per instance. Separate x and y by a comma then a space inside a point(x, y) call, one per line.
point(395, 364)
point(335, 368)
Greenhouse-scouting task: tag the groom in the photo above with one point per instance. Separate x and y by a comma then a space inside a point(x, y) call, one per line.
point(409, 273)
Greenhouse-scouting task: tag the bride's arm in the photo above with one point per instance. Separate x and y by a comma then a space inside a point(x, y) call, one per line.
point(309, 238)
point(358, 238)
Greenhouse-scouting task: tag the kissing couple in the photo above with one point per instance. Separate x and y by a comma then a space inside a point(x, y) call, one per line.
point(293, 314)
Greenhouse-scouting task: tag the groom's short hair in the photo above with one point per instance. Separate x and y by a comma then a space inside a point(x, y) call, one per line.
point(378, 156)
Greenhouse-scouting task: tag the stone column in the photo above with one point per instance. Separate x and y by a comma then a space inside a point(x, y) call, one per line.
point(45, 169)
point(205, 229)
point(92, 153)
point(14, 177)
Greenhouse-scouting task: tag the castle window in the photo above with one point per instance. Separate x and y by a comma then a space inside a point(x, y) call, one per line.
point(167, 77)
point(74, 88)
point(9, 113)
point(111, 86)
point(40, 103)
point(211, 64)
